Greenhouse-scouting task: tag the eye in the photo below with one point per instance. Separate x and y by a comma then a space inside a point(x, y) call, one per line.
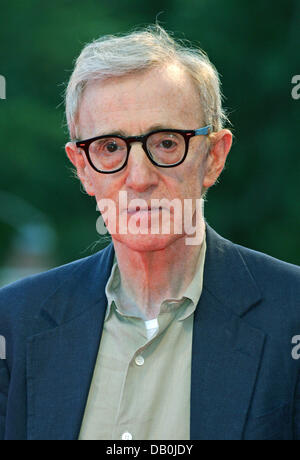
point(107, 146)
point(111, 147)
point(168, 144)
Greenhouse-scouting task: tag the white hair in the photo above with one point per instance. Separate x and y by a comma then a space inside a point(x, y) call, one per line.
point(117, 55)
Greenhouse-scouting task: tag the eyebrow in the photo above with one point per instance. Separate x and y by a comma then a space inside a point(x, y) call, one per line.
point(123, 134)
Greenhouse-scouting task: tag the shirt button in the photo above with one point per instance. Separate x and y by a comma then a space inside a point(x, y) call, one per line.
point(126, 436)
point(139, 360)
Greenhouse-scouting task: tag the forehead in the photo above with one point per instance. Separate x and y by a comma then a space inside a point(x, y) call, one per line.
point(132, 103)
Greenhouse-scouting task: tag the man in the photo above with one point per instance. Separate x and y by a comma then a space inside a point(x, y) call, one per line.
point(176, 334)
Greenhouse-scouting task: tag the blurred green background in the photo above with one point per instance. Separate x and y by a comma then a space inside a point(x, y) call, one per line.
point(46, 220)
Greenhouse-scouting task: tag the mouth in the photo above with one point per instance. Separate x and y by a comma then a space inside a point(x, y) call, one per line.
point(143, 210)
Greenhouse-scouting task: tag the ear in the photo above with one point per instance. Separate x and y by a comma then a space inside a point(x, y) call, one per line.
point(220, 146)
point(78, 159)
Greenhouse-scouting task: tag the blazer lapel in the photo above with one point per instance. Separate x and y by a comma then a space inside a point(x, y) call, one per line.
point(61, 360)
point(226, 350)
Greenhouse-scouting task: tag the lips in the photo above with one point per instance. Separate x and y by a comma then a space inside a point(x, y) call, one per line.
point(135, 209)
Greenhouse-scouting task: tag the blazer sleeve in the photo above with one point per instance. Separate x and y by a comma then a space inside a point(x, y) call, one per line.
point(4, 384)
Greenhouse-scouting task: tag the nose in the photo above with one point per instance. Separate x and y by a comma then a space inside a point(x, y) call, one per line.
point(141, 173)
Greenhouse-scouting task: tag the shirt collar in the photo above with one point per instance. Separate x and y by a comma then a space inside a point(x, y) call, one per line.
point(111, 286)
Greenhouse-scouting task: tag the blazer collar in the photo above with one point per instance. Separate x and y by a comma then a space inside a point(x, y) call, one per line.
point(80, 288)
point(226, 275)
point(226, 351)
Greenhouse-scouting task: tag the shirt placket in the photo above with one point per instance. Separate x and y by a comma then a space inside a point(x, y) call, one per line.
point(123, 429)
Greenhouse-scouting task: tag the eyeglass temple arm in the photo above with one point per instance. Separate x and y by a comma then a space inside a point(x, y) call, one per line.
point(204, 131)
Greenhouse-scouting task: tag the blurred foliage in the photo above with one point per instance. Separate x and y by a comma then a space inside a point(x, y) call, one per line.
point(255, 47)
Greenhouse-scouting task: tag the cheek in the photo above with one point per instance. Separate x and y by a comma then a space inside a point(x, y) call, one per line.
point(106, 186)
point(191, 180)
point(198, 171)
point(194, 186)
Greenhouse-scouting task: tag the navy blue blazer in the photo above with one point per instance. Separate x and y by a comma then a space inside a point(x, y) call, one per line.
point(245, 383)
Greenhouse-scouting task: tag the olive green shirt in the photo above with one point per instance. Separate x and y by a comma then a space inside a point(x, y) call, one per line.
point(141, 384)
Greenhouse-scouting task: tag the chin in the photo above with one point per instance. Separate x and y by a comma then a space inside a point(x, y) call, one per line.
point(146, 243)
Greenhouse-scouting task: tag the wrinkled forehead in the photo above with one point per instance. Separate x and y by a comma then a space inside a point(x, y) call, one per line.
point(157, 96)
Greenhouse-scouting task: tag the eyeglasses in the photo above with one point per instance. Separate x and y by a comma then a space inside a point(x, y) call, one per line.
point(164, 148)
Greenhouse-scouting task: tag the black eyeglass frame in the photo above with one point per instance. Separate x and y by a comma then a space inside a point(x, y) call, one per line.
point(187, 135)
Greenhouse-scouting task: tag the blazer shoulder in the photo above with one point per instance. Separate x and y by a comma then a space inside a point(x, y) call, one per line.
point(23, 297)
point(279, 283)
point(275, 281)
point(266, 267)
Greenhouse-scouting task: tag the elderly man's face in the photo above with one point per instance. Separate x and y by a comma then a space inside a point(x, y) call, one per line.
point(135, 105)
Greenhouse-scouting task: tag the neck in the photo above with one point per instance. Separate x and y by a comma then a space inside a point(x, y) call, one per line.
point(150, 277)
